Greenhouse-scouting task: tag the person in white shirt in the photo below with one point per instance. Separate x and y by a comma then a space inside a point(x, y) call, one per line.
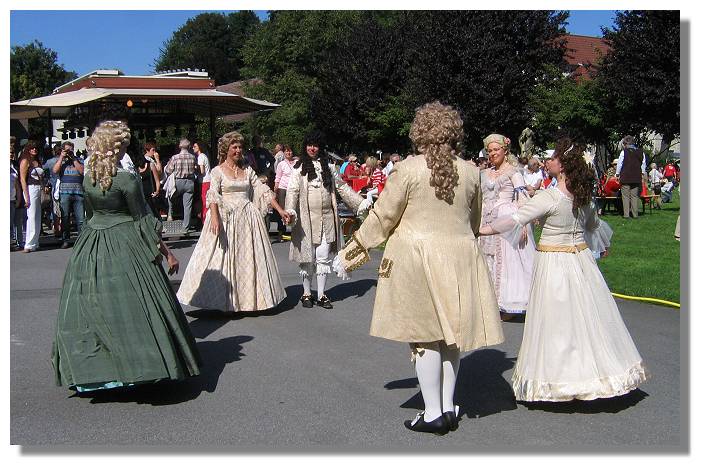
point(394, 159)
point(203, 178)
point(533, 176)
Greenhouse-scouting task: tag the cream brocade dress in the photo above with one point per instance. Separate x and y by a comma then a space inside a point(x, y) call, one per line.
point(575, 343)
point(235, 270)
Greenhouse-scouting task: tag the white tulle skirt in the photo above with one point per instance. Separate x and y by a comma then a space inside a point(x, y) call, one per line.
point(575, 343)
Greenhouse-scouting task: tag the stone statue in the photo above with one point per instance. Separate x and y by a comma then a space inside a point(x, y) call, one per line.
point(526, 143)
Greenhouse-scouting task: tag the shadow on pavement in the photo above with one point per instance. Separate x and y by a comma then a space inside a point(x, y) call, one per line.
point(481, 390)
point(181, 243)
point(350, 289)
point(601, 405)
point(207, 321)
point(216, 355)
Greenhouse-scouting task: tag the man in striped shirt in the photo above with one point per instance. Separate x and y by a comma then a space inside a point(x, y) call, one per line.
point(183, 167)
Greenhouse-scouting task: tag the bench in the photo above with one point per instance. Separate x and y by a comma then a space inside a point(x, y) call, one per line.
point(646, 201)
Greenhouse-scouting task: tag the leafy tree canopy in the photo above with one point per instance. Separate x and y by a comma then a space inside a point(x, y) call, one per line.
point(285, 53)
point(34, 71)
point(640, 76)
point(484, 63)
point(211, 41)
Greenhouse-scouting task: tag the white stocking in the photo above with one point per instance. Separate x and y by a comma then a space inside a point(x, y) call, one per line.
point(428, 370)
point(450, 357)
point(323, 263)
point(321, 283)
point(306, 279)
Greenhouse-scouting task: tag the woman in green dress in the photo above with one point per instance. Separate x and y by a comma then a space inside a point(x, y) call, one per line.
point(119, 322)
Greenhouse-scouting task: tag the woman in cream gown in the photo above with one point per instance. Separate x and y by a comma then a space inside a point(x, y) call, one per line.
point(575, 344)
point(434, 290)
point(233, 267)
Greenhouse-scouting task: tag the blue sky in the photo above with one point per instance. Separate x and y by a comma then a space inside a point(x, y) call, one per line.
point(130, 40)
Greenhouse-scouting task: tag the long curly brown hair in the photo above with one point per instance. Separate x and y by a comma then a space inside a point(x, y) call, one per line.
point(580, 178)
point(437, 133)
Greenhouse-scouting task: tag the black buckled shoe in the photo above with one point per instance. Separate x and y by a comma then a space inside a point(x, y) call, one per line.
point(325, 302)
point(438, 426)
point(306, 301)
point(451, 418)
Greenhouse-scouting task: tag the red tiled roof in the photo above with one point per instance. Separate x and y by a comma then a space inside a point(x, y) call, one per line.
point(584, 53)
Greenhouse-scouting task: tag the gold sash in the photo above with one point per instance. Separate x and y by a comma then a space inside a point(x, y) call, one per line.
point(562, 248)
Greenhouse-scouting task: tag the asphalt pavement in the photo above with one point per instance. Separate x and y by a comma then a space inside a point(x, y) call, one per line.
point(313, 380)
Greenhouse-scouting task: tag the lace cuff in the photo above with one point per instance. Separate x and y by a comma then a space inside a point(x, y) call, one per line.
point(510, 229)
point(364, 206)
point(339, 269)
point(598, 240)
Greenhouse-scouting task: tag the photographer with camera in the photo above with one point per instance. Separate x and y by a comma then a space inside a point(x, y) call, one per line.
point(69, 171)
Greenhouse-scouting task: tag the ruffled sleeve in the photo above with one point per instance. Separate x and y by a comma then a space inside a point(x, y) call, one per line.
point(597, 232)
point(261, 194)
point(598, 240)
point(214, 193)
point(510, 227)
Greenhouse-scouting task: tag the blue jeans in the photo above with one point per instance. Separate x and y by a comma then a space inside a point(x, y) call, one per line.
point(71, 202)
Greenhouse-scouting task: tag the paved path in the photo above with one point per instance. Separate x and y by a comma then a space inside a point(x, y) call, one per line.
point(314, 380)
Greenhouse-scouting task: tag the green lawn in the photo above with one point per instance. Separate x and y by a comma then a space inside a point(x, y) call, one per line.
point(644, 258)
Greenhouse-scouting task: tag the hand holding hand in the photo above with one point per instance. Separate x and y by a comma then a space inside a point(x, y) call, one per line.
point(524, 237)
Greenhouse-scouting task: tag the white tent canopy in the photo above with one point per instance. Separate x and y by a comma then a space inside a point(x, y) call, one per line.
point(198, 101)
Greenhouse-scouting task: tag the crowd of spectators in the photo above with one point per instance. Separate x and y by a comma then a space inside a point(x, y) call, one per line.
point(46, 185)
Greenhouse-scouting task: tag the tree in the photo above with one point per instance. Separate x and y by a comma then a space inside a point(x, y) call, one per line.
point(568, 106)
point(484, 63)
point(285, 53)
point(360, 102)
point(641, 74)
point(34, 71)
point(211, 41)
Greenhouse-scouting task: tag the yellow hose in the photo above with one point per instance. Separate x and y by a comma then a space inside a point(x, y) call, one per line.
point(647, 299)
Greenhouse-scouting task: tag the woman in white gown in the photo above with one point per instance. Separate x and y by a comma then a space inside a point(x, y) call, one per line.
point(575, 343)
point(503, 193)
point(233, 267)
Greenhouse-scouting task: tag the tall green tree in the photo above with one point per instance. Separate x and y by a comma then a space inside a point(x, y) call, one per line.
point(35, 71)
point(285, 53)
point(211, 41)
point(568, 106)
point(360, 102)
point(484, 63)
point(640, 76)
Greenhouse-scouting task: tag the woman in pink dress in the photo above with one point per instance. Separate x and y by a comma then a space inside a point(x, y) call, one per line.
point(503, 192)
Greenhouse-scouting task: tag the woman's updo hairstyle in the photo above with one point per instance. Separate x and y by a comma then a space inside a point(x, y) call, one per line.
point(224, 144)
point(104, 148)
